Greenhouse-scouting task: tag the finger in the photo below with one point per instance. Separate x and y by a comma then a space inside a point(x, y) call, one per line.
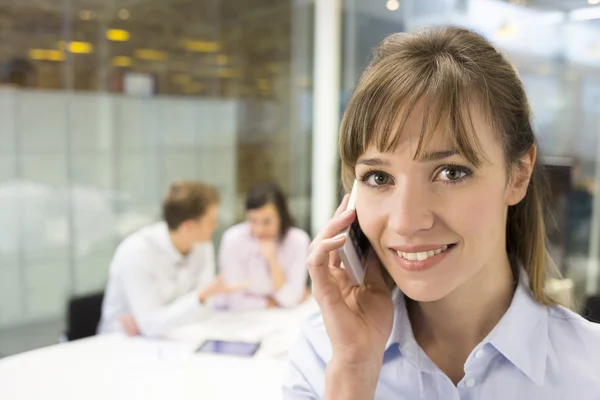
point(325, 287)
point(374, 272)
point(336, 225)
point(334, 259)
point(318, 259)
point(344, 280)
point(237, 286)
point(338, 212)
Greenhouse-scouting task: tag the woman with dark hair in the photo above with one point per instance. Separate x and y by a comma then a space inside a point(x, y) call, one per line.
point(266, 250)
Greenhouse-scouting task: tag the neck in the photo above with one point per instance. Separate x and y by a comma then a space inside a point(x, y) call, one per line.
point(461, 320)
point(180, 243)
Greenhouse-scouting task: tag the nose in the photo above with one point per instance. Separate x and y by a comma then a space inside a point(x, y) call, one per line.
point(409, 209)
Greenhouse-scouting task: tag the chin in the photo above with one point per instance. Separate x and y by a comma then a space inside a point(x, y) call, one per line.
point(425, 291)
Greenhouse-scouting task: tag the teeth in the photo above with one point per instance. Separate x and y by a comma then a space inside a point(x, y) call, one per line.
point(422, 255)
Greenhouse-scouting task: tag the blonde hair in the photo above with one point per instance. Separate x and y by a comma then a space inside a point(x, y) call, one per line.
point(450, 70)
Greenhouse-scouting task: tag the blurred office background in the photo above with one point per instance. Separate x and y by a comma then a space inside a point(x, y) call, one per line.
point(104, 102)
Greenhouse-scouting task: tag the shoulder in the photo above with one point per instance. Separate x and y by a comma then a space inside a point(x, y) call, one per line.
point(237, 232)
point(574, 343)
point(568, 326)
point(307, 361)
point(139, 244)
point(297, 236)
point(313, 344)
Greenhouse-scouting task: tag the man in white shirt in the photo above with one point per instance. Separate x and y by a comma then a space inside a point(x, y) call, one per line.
point(163, 275)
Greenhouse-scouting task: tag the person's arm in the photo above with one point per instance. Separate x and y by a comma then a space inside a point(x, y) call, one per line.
point(206, 274)
point(278, 276)
point(296, 272)
point(141, 289)
point(231, 267)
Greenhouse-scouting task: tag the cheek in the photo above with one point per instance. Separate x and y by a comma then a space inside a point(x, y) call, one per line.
point(476, 214)
point(372, 219)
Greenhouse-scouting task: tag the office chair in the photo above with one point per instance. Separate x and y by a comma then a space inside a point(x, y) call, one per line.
point(591, 311)
point(83, 316)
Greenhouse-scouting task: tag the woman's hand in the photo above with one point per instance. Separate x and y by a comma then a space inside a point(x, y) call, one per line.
point(268, 249)
point(358, 319)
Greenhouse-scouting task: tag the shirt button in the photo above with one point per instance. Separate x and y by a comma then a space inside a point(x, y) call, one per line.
point(479, 354)
point(470, 382)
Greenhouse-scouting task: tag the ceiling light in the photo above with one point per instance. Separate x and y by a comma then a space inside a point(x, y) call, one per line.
point(122, 61)
point(81, 47)
point(86, 15)
point(46, 55)
point(594, 2)
point(123, 14)
point(201, 46)
point(392, 5)
point(150, 55)
point(117, 35)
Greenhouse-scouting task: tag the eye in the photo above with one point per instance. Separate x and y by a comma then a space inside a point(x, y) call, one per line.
point(375, 178)
point(453, 173)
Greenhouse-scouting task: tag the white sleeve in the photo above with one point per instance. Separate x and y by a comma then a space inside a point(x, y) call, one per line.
point(207, 267)
point(141, 289)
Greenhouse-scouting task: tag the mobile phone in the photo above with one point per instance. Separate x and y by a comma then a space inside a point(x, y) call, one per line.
point(356, 247)
point(243, 349)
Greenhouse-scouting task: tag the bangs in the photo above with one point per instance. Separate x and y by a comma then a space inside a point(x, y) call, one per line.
point(389, 92)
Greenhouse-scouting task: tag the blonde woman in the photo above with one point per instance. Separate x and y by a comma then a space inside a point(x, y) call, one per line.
point(438, 135)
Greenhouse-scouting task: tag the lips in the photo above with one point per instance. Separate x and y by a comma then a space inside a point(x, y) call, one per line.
point(421, 257)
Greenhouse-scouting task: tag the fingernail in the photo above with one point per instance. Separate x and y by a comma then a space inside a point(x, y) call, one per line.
point(339, 237)
point(346, 213)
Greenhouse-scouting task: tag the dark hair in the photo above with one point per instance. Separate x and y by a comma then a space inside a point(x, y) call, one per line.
point(451, 69)
point(187, 200)
point(266, 193)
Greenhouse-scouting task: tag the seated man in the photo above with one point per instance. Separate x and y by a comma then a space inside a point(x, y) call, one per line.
point(163, 275)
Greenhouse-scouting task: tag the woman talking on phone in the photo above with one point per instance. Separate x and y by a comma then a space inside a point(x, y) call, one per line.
point(438, 136)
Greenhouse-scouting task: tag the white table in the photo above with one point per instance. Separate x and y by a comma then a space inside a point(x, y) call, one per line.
point(112, 367)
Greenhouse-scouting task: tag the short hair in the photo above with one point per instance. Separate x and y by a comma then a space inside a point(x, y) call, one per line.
point(266, 193)
point(187, 200)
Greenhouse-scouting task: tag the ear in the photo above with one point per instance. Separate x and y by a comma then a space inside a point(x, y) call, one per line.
point(185, 225)
point(520, 177)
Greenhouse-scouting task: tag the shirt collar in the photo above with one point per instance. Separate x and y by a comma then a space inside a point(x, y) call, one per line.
point(521, 335)
point(164, 241)
point(402, 336)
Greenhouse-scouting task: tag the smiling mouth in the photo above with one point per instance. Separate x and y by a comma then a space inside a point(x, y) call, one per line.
point(424, 255)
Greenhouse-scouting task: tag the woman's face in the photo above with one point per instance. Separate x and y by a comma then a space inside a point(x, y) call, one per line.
point(264, 222)
point(439, 222)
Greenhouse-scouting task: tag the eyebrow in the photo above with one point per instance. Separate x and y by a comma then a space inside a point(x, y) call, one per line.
point(439, 155)
point(427, 157)
point(374, 162)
